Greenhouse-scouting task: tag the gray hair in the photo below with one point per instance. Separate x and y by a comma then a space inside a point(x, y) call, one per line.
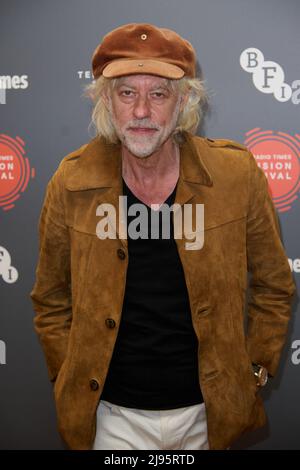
point(188, 120)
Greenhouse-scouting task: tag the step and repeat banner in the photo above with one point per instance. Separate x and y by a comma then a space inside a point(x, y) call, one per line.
point(248, 53)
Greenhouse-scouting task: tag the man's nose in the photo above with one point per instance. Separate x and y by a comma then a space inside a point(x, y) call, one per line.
point(141, 107)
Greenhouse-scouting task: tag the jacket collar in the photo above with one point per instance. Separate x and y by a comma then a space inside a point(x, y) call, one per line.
point(100, 165)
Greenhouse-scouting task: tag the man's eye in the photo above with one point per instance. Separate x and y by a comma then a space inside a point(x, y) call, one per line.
point(126, 92)
point(158, 94)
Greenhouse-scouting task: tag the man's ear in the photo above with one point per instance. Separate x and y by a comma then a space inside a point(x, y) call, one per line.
point(107, 100)
point(183, 101)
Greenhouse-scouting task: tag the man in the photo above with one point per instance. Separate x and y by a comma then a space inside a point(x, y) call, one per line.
point(144, 336)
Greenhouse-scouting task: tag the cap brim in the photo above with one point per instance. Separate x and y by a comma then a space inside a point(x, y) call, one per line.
point(121, 67)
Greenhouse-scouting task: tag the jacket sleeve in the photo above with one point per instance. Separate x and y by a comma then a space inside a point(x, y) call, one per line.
point(51, 294)
point(271, 286)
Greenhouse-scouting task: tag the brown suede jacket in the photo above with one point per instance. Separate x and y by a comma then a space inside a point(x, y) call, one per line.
point(80, 283)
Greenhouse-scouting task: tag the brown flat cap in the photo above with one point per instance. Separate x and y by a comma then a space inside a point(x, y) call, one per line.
point(143, 48)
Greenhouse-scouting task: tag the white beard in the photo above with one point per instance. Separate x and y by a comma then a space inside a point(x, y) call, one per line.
point(143, 145)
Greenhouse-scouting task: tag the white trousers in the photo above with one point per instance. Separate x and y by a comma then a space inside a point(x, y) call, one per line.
point(120, 428)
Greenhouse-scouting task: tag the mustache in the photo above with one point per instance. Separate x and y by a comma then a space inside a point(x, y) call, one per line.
point(142, 124)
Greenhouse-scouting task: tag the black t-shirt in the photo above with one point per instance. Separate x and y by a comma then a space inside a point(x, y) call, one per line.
point(155, 360)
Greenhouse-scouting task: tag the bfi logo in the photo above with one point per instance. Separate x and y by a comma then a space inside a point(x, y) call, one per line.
point(268, 76)
point(8, 272)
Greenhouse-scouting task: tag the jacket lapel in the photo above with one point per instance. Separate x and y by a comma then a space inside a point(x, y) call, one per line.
point(100, 167)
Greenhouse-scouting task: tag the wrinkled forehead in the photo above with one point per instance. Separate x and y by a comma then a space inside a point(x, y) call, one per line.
point(138, 80)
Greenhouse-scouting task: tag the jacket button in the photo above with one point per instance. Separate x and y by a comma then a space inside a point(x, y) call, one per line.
point(203, 311)
point(110, 323)
point(94, 384)
point(121, 253)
